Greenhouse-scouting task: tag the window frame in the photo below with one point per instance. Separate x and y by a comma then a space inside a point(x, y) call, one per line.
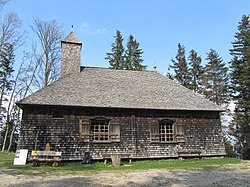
point(166, 131)
point(100, 130)
point(86, 131)
point(57, 114)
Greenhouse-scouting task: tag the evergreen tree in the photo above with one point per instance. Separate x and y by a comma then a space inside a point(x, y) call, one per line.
point(196, 71)
point(180, 67)
point(130, 53)
point(216, 78)
point(229, 148)
point(133, 55)
point(6, 70)
point(116, 56)
point(240, 87)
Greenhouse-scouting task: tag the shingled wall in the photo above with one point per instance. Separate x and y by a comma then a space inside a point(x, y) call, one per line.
point(202, 132)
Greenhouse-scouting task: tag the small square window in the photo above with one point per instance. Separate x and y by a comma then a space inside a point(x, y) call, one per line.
point(57, 114)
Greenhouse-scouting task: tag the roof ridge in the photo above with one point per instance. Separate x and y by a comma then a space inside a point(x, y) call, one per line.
point(96, 67)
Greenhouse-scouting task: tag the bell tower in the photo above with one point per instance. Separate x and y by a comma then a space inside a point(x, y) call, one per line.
point(71, 55)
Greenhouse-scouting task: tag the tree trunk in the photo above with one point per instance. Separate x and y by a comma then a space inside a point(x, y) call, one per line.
point(7, 124)
point(1, 97)
point(11, 137)
point(5, 136)
point(14, 129)
point(46, 71)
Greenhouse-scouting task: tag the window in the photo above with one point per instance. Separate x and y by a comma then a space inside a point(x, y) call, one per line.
point(166, 131)
point(100, 130)
point(57, 114)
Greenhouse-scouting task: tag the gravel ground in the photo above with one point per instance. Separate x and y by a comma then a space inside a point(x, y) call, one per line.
point(234, 175)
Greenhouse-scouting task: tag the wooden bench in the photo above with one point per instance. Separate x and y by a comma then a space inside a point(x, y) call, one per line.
point(53, 157)
point(182, 154)
point(123, 156)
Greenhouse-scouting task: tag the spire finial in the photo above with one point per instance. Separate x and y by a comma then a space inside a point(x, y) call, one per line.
point(155, 68)
point(72, 26)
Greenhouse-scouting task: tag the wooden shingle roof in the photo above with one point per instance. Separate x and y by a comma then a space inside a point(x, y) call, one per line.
point(100, 87)
point(71, 38)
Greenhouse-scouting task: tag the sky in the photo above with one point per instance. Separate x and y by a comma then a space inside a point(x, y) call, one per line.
point(158, 25)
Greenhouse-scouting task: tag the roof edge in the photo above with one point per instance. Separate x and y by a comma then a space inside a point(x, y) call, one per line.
point(21, 105)
point(71, 38)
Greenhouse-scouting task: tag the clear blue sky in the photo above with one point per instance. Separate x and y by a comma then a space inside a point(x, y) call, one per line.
point(158, 25)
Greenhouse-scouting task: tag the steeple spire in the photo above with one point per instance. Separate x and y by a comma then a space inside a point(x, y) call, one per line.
point(71, 38)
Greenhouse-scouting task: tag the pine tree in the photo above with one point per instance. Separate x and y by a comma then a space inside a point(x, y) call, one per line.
point(129, 53)
point(116, 56)
point(180, 67)
point(240, 87)
point(196, 71)
point(216, 78)
point(133, 55)
point(6, 69)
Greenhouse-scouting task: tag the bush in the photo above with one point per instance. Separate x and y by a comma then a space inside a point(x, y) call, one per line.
point(245, 153)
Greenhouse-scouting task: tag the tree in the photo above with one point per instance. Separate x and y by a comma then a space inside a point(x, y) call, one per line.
point(9, 31)
point(13, 113)
point(133, 55)
point(196, 71)
point(240, 86)
point(6, 70)
point(49, 34)
point(229, 148)
point(180, 67)
point(216, 78)
point(3, 3)
point(22, 85)
point(10, 39)
point(116, 56)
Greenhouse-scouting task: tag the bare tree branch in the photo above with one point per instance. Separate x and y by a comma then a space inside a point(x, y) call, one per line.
point(49, 34)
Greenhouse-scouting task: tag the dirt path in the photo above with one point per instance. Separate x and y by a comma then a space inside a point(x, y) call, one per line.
point(175, 178)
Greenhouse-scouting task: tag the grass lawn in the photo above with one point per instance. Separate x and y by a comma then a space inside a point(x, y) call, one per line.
point(6, 161)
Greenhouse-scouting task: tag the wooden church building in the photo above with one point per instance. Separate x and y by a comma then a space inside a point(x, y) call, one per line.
point(135, 114)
